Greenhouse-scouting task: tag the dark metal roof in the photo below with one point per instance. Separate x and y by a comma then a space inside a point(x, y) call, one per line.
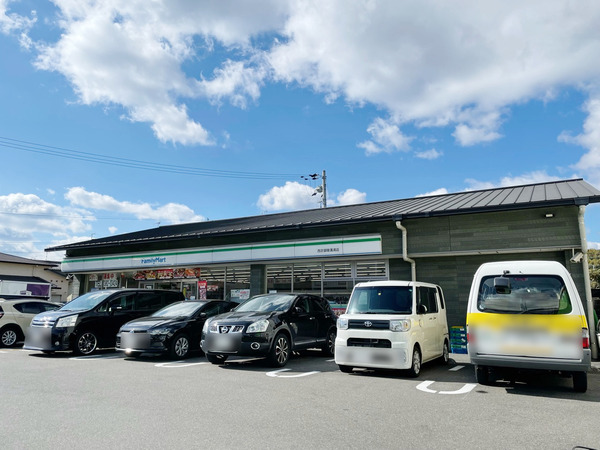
point(556, 193)
point(6, 258)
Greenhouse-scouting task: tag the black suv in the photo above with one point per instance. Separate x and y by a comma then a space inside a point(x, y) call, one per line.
point(271, 325)
point(92, 320)
point(174, 330)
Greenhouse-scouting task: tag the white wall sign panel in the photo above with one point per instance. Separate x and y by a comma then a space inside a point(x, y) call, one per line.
point(343, 246)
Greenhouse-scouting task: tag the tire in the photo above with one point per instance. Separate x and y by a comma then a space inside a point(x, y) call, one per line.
point(482, 374)
point(280, 351)
point(329, 346)
point(445, 358)
point(216, 358)
point(86, 343)
point(10, 336)
point(345, 369)
point(415, 366)
point(180, 347)
point(579, 381)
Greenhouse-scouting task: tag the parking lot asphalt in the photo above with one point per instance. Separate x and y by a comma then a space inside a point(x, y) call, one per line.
point(111, 401)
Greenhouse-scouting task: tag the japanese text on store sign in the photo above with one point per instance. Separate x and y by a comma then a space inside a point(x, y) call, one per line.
point(329, 250)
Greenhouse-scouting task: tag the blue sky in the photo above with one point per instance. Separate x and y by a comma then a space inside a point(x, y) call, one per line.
point(391, 99)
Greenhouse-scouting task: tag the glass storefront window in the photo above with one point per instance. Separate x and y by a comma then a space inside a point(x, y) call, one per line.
point(371, 270)
point(338, 270)
point(279, 278)
point(237, 284)
point(307, 278)
point(215, 282)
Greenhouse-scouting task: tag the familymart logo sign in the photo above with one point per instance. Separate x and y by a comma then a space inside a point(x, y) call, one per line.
point(154, 261)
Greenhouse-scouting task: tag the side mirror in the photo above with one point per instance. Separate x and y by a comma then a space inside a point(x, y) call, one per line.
point(502, 285)
point(299, 310)
point(202, 315)
point(421, 309)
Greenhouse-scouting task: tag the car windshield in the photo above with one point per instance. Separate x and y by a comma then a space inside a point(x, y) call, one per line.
point(381, 300)
point(267, 303)
point(524, 294)
point(181, 309)
point(86, 301)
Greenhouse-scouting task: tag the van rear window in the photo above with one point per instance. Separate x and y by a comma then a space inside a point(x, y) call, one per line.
point(524, 294)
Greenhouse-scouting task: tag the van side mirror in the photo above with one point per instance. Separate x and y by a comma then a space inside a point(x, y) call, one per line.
point(421, 309)
point(502, 285)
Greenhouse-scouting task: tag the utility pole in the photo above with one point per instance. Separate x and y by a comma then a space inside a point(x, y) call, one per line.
point(324, 188)
point(319, 189)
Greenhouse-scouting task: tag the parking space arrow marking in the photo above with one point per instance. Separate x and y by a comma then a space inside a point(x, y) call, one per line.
point(424, 386)
point(455, 368)
point(275, 374)
point(468, 387)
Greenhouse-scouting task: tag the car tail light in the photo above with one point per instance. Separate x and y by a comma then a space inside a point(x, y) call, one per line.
point(469, 337)
point(585, 341)
point(1, 314)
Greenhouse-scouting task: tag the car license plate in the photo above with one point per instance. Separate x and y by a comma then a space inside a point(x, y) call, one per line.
point(133, 340)
point(38, 337)
point(223, 343)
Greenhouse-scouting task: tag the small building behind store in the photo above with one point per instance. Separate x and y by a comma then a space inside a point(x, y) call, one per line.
point(24, 277)
point(440, 239)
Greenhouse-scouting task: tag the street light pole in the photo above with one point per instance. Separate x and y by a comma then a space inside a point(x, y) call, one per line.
point(324, 187)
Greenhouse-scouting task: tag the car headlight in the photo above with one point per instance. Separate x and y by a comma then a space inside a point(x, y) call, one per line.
point(342, 324)
point(159, 331)
point(205, 327)
point(65, 322)
point(400, 325)
point(258, 327)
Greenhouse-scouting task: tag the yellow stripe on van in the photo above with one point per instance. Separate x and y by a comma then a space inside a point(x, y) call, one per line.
point(550, 322)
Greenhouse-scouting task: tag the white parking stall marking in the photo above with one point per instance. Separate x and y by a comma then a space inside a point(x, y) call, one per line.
point(276, 374)
point(456, 368)
point(331, 360)
point(177, 364)
point(424, 387)
point(90, 357)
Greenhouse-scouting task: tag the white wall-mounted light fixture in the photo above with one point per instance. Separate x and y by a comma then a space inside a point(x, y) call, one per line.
point(549, 215)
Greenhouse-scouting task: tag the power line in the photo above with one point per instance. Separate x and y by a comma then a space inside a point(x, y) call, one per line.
point(135, 164)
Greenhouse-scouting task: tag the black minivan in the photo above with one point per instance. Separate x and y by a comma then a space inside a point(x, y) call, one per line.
point(92, 320)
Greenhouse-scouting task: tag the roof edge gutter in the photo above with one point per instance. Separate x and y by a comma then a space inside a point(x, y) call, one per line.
point(413, 264)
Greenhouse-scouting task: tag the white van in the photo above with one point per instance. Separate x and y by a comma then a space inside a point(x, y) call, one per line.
point(527, 315)
point(392, 325)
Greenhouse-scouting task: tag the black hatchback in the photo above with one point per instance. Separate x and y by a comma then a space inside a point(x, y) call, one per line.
point(272, 326)
point(174, 330)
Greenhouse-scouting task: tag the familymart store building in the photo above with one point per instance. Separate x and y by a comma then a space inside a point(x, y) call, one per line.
point(439, 239)
point(327, 267)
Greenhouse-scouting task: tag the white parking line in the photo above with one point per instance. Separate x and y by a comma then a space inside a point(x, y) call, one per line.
point(177, 364)
point(456, 368)
point(275, 374)
point(85, 358)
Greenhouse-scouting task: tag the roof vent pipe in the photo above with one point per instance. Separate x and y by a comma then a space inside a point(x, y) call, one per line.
point(413, 264)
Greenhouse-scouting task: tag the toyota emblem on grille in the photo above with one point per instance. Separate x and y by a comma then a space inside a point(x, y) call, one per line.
point(368, 323)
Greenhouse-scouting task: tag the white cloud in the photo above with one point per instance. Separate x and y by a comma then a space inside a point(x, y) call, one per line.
point(589, 164)
point(112, 230)
point(440, 191)
point(424, 63)
point(15, 24)
point(29, 224)
point(291, 196)
point(169, 213)
point(386, 137)
point(295, 196)
point(429, 154)
point(351, 197)
point(538, 176)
